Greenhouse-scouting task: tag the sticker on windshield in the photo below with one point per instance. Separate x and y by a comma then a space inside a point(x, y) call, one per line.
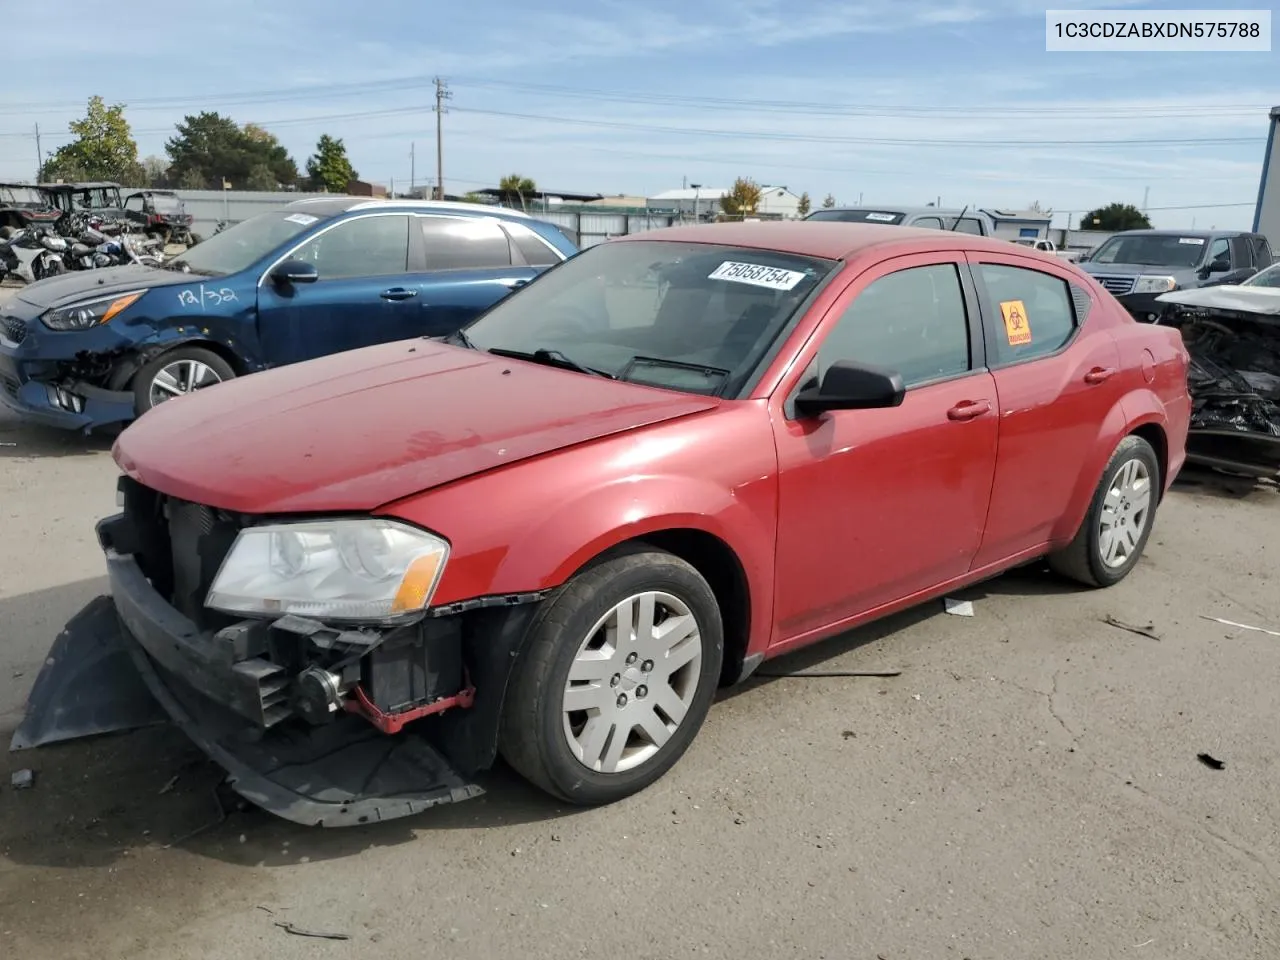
point(303, 218)
point(881, 217)
point(1016, 327)
point(756, 274)
point(1198, 241)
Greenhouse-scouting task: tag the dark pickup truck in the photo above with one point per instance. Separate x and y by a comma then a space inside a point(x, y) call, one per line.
point(1137, 266)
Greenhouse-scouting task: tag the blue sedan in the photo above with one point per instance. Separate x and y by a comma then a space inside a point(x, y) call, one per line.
point(310, 278)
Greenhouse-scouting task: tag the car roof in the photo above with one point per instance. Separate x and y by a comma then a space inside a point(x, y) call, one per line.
point(906, 210)
point(827, 239)
point(1155, 232)
point(334, 205)
point(78, 185)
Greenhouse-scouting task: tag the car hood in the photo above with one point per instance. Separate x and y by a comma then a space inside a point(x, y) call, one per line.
point(84, 284)
point(356, 430)
point(1229, 297)
point(1134, 269)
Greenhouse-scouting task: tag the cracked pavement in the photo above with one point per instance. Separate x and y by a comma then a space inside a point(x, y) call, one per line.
point(1028, 787)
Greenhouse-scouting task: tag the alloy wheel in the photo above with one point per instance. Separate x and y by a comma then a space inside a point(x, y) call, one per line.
point(1126, 510)
point(181, 377)
point(632, 682)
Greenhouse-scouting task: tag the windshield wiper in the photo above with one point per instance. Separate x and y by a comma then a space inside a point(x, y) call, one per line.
point(552, 358)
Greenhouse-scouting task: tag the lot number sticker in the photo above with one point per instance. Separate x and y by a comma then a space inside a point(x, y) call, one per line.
point(1198, 241)
point(880, 217)
point(1016, 327)
point(302, 218)
point(756, 274)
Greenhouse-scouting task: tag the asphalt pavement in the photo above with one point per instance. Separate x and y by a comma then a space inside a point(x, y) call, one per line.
point(1028, 787)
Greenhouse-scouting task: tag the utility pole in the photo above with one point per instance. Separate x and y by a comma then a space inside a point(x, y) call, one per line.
point(1146, 193)
point(413, 169)
point(442, 94)
point(39, 155)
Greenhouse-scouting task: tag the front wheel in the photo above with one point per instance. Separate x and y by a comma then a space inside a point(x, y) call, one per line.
point(177, 373)
point(1119, 521)
point(616, 680)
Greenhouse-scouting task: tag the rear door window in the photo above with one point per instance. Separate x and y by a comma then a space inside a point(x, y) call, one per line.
point(460, 243)
point(1032, 311)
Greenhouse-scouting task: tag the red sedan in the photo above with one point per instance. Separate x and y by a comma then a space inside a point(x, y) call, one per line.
point(355, 581)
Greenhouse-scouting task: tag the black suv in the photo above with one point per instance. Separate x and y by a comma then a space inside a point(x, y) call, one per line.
point(1136, 266)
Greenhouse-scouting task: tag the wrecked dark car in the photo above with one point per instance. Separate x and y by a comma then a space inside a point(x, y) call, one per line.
point(1233, 336)
point(95, 348)
point(22, 205)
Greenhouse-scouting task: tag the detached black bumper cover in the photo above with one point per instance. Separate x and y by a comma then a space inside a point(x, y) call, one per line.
point(341, 774)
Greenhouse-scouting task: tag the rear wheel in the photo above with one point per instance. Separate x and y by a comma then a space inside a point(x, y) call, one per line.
point(177, 373)
point(617, 679)
point(1119, 521)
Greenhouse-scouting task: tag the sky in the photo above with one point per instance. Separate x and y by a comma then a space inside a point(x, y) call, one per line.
point(883, 101)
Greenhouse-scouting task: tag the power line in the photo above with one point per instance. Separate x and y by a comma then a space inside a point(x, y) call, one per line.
point(883, 141)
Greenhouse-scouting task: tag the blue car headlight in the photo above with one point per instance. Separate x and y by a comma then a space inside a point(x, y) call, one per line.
point(89, 313)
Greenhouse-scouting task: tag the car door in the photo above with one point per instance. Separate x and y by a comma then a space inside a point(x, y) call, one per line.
point(471, 264)
point(364, 293)
point(1057, 378)
point(877, 505)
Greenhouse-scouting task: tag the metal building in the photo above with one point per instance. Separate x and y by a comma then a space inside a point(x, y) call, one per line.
point(1266, 218)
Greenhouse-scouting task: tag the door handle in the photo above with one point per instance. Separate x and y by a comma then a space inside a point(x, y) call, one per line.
point(1099, 375)
point(969, 409)
point(398, 293)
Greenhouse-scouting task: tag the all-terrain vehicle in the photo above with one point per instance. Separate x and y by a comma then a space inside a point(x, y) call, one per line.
point(23, 205)
point(160, 214)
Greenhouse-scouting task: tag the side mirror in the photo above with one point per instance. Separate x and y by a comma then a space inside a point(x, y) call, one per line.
point(852, 386)
point(295, 271)
point(1219, 266)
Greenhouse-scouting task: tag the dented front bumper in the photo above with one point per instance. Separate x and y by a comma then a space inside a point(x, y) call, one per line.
point(132, 659)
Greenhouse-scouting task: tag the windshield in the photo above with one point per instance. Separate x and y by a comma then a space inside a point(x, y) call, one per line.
point(165, 204)
point(857, 216)
point(21, 195)
point(1150, 250)
point(1270, 277)
point(685, 316)
point(242, 245)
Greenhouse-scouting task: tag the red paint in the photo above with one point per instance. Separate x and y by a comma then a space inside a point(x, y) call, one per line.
point(359, 703)
point(531, 471)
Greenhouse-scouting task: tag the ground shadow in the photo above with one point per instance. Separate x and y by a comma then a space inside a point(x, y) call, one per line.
point(95, 801)
point(1204, 481)
point(25, 441)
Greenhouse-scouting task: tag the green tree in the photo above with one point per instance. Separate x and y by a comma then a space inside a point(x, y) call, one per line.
point(154, 172)
point(1115, 216)
point(104, 148)
point(475, 198)
point(803, 207)
point(330, 169)
point(515, 189)
point(828, 202)
point(209, 148)
point(743, 199)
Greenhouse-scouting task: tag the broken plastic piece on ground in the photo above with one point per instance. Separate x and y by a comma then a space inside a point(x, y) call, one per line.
point(88, 685)
point(1211, 762)
point(958, 608)
point(1148, 631)
point(23, 779)
point(1241, 626)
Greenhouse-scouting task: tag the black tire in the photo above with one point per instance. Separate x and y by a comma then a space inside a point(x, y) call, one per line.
point(142, 380)
point(532, 736)
point(1081, 560)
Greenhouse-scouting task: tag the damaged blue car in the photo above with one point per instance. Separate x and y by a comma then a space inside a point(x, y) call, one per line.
point(310, 278)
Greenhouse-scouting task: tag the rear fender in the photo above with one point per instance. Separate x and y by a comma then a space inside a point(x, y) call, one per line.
point(1113, 428)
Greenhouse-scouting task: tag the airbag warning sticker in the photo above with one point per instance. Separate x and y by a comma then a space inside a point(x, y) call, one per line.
point(757, 275)
point(1016, 327)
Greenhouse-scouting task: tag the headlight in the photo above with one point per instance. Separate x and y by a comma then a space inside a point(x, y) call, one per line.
point(1155, 285)
point(89, 313)
point(361, 569)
